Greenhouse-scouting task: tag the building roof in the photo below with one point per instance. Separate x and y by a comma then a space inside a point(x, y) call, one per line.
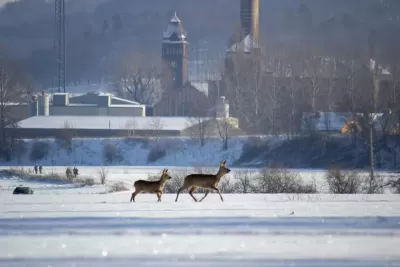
point(174, 29)
point(85, 88)
point(105, 122)
point(201, 87)
point(246, 45)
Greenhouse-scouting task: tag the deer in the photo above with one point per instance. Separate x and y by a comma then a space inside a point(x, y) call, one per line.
point(151, 186)
point(206, 181)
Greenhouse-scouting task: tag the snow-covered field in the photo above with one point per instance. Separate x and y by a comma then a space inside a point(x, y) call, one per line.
point(66, 225)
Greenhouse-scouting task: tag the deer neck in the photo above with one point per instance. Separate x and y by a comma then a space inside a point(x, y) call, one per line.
point(162, 182)
point(219, 175)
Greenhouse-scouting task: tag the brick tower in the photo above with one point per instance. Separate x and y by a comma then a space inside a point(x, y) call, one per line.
point(174, 52)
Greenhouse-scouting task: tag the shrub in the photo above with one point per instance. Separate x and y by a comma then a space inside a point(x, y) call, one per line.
point(89, 181)
point(103, 172)
point(156, 153)
point(153, 177)
point(394, 183)
point(374, 186)
point(176, 182)
point(339, 182)
point(118, 187)
point(111, 153)
point(244, 182)
point(278, 181)
point(39, 150)
point(227, 186)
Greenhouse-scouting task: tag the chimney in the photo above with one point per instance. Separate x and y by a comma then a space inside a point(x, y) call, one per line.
point(222, 109)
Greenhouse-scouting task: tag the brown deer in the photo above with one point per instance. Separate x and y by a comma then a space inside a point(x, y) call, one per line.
point(151, 186)
point(206, 181)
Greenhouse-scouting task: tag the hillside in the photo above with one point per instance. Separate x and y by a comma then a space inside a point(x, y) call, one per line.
point(301, 152)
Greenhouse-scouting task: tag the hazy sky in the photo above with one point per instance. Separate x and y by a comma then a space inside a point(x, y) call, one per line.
point(2, 2)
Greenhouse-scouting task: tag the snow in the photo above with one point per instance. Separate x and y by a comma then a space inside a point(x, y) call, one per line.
point(108, 122)
point(90, 152)
point(83, 88)
point(65, 225)
point(246, 45)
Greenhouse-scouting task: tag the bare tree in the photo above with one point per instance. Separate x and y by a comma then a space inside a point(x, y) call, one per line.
point(355, 75)
point(131, 125)
point(276, 69)
point(10, 91)
point(199, 129)
point(66, 136)
point(224, 129)
point(138, 77)
point(244, 77)
point(156, 126)
point(312, 73)
point(330, 92)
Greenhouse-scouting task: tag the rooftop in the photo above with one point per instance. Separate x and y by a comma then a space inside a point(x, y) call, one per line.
point(246, 45)
point(104, 122)
point(175, 27)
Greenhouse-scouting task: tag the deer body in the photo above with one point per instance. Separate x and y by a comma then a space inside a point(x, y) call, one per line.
point(151, 186)
point(206, 181)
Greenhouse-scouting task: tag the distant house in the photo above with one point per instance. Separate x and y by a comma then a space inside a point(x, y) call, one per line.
point(112, 126)
point(325, 121)
point(343, 122)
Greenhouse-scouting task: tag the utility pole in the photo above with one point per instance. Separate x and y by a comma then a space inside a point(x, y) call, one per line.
point(60, 44)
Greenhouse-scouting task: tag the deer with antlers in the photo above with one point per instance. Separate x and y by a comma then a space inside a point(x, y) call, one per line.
point(151, 186)
point(206, 181)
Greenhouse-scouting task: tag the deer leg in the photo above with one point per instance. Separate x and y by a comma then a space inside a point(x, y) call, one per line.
point(159, 196)
point(180, 190)
point(216, 189)
point(207, 191)
point(134, 195)
point(191, 192)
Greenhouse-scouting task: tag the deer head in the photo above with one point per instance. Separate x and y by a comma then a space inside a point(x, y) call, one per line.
point(222, 167)
point(165, 176)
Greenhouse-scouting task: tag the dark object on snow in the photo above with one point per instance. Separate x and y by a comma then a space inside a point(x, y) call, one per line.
point(75, 171)
point(23, 191)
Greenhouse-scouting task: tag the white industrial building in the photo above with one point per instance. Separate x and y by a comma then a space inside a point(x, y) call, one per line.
point(91, 104)
point(117, 126)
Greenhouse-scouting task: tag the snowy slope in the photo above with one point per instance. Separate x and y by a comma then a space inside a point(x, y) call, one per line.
point(179, 152)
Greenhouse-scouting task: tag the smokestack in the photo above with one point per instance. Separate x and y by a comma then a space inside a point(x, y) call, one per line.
point(250, 18)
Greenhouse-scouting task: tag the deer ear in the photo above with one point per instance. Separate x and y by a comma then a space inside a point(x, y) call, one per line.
point(224, 162)
point(166, 170)
point(163, 171)
point(221, 164)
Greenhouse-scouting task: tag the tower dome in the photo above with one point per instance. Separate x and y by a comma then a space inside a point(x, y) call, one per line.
point(174, 32)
